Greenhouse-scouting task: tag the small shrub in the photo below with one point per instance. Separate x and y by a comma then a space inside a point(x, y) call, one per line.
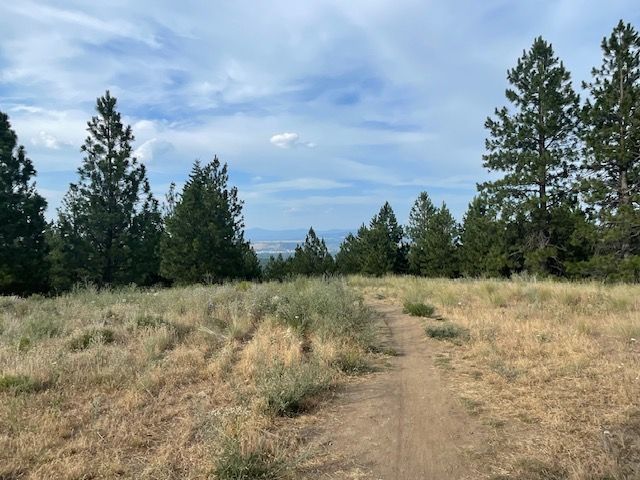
point(24, 344)
point(351, 361)
point(37, 327)
point(234, 464)
point(447, 331)
point(287, 390)
point(85, 339)
point(19, 384)
point(419, 309)
point(149, 321)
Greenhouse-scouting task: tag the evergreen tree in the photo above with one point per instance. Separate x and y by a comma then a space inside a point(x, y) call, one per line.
point(420, 218)
point(382, 248)
point(205, 230)
point(350, 257)
point(435, 250)
point(109, 225)
point(535, 143)
point(312, 257)
point(612, 162)
point(482, 250)
point(277, 268)
point(23, 249)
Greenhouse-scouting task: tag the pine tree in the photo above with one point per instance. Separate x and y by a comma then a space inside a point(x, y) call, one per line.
point(535, 144)
point(435, 250)
point(109, 225)
point(420, 218)
point(312, 257)
point(382, 248)
point(205, 230)
point(277, 268)
point(350, 256)
point(23, 249)
point(612, 162)
point(482, 250)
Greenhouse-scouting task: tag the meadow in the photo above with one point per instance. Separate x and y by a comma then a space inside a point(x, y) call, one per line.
point(198, 382)
point(551, 369)
point(213, 381)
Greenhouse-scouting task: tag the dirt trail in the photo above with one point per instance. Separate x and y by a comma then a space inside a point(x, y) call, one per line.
point(400, 423)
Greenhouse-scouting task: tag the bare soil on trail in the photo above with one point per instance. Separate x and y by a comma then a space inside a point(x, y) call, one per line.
point(400, 423)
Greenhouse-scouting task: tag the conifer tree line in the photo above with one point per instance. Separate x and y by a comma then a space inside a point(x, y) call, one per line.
point(565, 202)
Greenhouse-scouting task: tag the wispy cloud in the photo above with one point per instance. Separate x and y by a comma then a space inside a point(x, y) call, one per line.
point(392, 95)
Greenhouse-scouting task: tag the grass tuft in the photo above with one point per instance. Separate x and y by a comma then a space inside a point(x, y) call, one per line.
point(419, 309)
point(95, 336)
point(19, 384)
point(447, 331)
point(234, 464)
point(288, 390)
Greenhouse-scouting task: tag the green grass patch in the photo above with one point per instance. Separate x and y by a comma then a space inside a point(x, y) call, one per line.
point(234, 464)
point(289, 390)
point(447, 331)
point(419, 309)
point(95, 336)
point(19, 384)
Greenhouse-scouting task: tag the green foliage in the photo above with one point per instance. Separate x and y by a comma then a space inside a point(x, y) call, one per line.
point(482, 249)
point(277, 268)
point(234, 464)
point(287, 389)
point(376, 249)
point(447, 331)
point(419, 309)
point(312, 257)
point(109, 225)
point(94, 336)
point(23, 249)
point(147, 320)
point(433, 251)
point(535, 144)
point(205, 230)
point(611, 163)
point(19, 384)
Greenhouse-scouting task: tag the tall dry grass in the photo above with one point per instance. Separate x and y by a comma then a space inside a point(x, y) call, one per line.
point(179, 383)
point(552, 369)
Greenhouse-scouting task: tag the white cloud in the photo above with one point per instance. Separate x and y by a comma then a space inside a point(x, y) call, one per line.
point(289, 140)
point(152, 148)
point(47, 140)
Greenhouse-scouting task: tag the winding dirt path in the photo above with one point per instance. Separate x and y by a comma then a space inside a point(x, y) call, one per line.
point(400, 423)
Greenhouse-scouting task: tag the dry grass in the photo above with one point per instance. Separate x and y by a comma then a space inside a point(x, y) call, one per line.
point(553, 369)
point(180, 383)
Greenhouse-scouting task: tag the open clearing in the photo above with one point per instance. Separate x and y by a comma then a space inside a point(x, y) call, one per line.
point(520, 380)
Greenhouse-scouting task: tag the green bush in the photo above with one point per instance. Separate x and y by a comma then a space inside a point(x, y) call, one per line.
point(233, 464)
point(149, 321)
point(419, 309)
point(19, 384)
point(287, 390)
point(85, 339)
point(447, 331)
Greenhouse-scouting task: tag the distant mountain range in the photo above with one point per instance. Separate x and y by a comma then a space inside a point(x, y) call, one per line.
point(271, 242)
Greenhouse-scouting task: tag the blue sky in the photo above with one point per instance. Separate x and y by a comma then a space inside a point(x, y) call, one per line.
point(323, 109)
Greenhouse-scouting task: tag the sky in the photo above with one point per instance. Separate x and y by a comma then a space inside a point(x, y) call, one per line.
point(323, 110)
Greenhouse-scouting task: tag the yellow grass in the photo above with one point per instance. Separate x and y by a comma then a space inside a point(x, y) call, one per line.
point(169, 383)
point(552, 369)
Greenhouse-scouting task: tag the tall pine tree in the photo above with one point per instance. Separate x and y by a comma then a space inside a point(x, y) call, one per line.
point(23, 249)
point(109, 226)
point(535, 144)
point(420, 218)
point(204, 238)
point(312, 257)
point(482, 250)
point(612, 159)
